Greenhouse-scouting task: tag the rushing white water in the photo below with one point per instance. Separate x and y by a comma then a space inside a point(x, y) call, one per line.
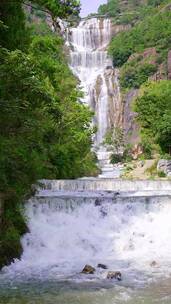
point(91, 64)
point(66, 233)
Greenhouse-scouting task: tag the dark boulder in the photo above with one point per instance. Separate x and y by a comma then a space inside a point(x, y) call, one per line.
point(98, 202)
point(102, 266)
point(153, 264)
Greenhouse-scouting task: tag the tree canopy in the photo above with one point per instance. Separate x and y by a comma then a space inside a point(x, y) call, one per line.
point(60, 8)
point(45, 131)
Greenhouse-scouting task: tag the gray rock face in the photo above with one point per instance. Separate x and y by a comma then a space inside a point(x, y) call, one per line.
point(131, 128)
point(165, 166)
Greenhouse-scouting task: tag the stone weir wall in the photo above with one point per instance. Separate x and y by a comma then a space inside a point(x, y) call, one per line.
point(105, 184)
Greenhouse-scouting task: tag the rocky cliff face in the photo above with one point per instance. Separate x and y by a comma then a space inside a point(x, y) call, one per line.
point(115, 29)
point(130, 127)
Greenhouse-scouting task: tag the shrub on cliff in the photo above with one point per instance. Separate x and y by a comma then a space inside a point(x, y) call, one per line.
point(153, 107)
point(134, 74)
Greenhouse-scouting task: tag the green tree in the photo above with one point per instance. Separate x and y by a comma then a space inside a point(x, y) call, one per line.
point(45, 132)
point(13, 35)
point(115, 139)
point(60, 8)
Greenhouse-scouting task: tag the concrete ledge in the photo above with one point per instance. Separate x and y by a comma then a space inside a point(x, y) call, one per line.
point(105, 184)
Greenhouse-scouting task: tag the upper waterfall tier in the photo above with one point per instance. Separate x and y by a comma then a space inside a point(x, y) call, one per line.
point(90, 62)
point(91, 34)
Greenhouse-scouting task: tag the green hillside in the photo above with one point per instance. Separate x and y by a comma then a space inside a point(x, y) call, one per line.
point(142, 54)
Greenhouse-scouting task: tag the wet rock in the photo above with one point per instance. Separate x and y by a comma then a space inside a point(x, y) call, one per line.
point(153, 264)
point(98, 202)
point(109, 67)
point(114, 275)
point(103, 266)
point(88, 269)
point(117, 193)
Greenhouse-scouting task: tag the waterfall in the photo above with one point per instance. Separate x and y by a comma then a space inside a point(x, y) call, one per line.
point(122, 224)
point(126, 232)
point(99, 80)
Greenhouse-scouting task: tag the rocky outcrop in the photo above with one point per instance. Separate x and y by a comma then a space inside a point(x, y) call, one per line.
point(115, 104)
point(119, 28)
point(149, 55)
point(131, 128)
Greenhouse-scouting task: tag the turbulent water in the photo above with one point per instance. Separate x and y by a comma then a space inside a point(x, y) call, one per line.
point(90, 63)
point(127, 231)
point(73, 223)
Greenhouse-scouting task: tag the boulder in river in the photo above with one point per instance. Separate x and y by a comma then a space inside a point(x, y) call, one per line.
point(98, 202)
point(88, 269)
point(153, 264)
point(114, 275)
point(103, 266)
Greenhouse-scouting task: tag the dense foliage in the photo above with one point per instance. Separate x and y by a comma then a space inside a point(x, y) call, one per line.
point(154, 113)
point(115, 7)
point(129, 12)
point(134, 73)
point(45, 132)
point(141, 53)
point(13, 33)
point(60, 8)
point(154, 31)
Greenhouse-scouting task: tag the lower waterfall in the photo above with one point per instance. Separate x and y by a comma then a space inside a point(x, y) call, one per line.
point(67, 232)
point(71, 225)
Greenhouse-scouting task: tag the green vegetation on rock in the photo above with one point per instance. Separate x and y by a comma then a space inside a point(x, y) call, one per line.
point(154, 113)
point(153, 31)
point(141, 53)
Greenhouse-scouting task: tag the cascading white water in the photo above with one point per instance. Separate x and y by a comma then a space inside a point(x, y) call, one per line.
point(91, 64)
point(65, 235)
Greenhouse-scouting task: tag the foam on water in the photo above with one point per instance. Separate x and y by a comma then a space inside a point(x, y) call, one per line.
point(125, 236)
